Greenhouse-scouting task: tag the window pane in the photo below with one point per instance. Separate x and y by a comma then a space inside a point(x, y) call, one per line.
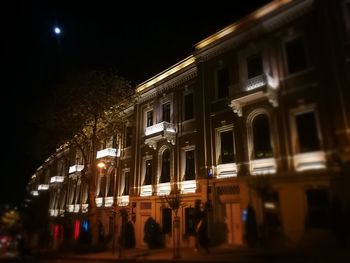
point(128, 137)
point(307, 132)
point(254, 66)
point(190, 166)
point(149, 118)
point(227, 148)
point(111, 184)
point(223, 82)
point(188, 106)
point(148, 176)
point(126, 183)
point(296, 56)
point(165, 176)
point(166, 112)
point(261, 137)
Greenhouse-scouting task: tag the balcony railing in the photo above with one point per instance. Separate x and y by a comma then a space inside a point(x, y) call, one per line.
point(226, 170)
point(263, 166)
point(108, 152)
point(189, 186)
point(256, 82)
point(146, 190)
point(309, 161)
point(76, 168)
point(163, 189)
point(56, 179)
point(159, 127)
point(160, 131)
point(123, 200)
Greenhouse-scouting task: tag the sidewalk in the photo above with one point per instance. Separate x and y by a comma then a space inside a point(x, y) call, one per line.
point(219, 254)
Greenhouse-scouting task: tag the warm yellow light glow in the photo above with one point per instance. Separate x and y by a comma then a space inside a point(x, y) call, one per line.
point(231, 28)
point(175, 68)
point(101, 165)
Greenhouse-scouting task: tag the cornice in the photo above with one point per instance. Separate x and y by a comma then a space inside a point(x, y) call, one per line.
point(169, 84)
point(266, 24)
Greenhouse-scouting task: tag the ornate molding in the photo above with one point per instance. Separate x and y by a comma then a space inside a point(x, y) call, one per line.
point(236, 107)
point(169, 84)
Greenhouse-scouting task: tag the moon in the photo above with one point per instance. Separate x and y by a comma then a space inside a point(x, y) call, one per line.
point(57, 30)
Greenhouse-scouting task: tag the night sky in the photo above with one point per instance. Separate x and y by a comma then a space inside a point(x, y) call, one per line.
point(139, 39)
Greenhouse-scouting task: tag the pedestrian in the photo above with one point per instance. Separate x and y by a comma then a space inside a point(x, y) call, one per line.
point(202, 235)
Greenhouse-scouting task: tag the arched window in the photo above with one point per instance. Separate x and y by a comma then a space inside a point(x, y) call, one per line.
point(261, 137)
point(165, 175)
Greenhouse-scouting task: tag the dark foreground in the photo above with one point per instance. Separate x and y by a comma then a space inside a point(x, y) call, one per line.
point(224, 254)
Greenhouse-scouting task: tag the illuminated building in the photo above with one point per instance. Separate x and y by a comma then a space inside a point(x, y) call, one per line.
point(258, 114)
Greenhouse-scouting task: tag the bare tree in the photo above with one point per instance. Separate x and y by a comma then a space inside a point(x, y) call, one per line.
point(88, 107)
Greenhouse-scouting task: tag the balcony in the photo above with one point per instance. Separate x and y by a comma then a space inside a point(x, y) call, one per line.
point(109, 201)
point(43, 187)
point(108, 153)
point(309, 161)
point(123, 200)
point(56, 179)
point(256, 82)
point(160, 131)
point(261, 87)
point(189, 186)
point(226, 170)
point(146, 190)
point(163, 189)
point(76, 168)
point(263, 166)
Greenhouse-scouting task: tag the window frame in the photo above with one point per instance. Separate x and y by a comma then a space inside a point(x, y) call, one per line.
point(183, 162)
point(222, 67)
point(144, 169)
point(293, 36)
point(184, 106)
point(218, 132)
point(294, 129)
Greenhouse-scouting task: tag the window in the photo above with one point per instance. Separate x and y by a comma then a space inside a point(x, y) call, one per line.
point(165, 174)
point(261, 137)
point(126, 183)
point(254, 66)
point(223, 82)
point(166, 112)
point(318, 208)
point(188, 103)
point(190, 221)
point(166, 220)
point(149, 173)
point(149, 118)
point(226, 147)
point(111, 184)
point(307, 132)
point(190, 172)
point(296, 55)
point(128, 136)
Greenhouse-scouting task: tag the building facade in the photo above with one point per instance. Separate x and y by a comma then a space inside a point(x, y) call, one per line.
point(258, 115)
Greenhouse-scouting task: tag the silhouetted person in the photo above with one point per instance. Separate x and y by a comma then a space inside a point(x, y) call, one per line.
point(202, 235)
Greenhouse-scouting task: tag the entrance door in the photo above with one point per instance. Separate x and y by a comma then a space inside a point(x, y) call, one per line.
point(234, 223)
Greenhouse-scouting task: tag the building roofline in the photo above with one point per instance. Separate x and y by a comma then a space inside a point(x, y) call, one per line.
point(263, 11)
point(166, 73)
